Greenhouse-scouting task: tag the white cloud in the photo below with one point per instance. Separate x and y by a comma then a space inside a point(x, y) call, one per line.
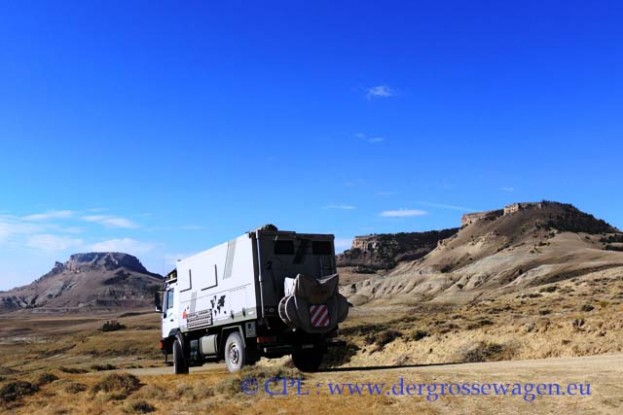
point(11, 226)
point(5, 231)
point(508, 189)
point(53, 214)
point(444, 206)
point(125, 245)
point(338, 206)
point(379, 91)
point(48, 242)
point(111, 221)
point(402, 213)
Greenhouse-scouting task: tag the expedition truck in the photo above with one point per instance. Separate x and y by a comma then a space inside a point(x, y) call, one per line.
point(266, 293)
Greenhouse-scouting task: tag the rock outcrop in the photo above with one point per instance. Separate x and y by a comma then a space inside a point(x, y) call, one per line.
point(385, 251)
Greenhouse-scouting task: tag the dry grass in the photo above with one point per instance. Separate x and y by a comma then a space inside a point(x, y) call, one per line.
point(55, 373)
point(118, 385)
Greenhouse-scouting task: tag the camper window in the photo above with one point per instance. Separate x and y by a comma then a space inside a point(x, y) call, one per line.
point(284, 247)
point(321, 248)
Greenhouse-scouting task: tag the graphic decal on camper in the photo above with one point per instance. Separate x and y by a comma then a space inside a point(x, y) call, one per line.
point(218, 304)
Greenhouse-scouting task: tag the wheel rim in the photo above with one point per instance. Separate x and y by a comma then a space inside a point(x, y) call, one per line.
point(234, 354)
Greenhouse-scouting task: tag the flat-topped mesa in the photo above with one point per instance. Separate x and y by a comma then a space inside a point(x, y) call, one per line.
point(469, 218)
point(103, 260)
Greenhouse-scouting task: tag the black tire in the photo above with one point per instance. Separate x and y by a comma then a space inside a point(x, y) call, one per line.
point(179, 361)
point(235, 353)
point(307, 360)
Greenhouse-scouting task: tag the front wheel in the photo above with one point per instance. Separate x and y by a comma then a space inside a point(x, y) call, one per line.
point(307, 360)
point(179, 362)
point(235, 353)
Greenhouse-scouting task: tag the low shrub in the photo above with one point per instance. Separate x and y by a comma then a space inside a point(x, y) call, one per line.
point(46, 378)
point(72, 370)
point(487, 351)
point(75, 387)
point(14, 391)
point(139, 407)
point(101, 368)
point(120, 385)
point(112, 326)
point(419, 334)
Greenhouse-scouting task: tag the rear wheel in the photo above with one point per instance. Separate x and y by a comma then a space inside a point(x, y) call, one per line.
point(307, 360)
point(179, 361)
point(235, 353)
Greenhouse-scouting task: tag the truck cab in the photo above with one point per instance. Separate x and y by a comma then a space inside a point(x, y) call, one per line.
point(170, 306)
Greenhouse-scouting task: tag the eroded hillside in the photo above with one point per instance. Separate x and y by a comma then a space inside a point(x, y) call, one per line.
point(494, 253)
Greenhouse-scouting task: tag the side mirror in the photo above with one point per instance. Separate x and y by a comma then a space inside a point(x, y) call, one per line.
point(157, 302)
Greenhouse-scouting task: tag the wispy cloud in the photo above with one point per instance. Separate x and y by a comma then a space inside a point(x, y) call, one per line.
point(371, 140)
point(402, 213)
point(379, 91)
point(127, 245)
point(340, 206)
point(11, 226)
point(445, 206)
point(53, 214)
point(508, 189)
point(111, 221)
point(48, 242)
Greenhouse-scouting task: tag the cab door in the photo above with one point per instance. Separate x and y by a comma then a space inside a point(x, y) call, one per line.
point(170, 311)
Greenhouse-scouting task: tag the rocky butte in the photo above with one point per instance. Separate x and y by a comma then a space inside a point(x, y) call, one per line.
point(95, 280)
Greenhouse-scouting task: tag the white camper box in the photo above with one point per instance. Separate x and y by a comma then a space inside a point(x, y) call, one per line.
point(231, 301)
point(217, 286)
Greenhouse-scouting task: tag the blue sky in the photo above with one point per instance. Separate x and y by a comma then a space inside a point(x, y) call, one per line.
point(163, 128)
